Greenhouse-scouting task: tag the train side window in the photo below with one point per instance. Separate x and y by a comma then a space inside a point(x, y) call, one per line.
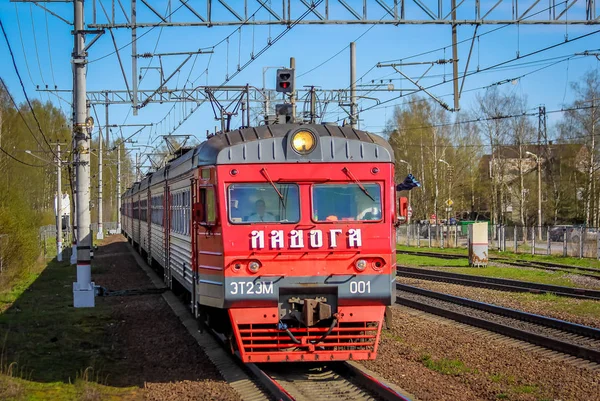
point(210, 206)
point(206, 210)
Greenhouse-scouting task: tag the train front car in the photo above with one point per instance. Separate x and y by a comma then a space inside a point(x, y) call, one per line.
point(308, 241)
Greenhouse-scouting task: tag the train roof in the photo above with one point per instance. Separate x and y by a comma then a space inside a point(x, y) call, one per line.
point(271, 144)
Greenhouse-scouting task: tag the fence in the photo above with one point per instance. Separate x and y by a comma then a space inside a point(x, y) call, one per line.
point(582, 242)
point(47, 236)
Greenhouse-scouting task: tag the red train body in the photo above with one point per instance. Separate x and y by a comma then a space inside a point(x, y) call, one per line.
point(282, 235)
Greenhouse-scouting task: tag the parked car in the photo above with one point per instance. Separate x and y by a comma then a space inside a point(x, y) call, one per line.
point(557, 233)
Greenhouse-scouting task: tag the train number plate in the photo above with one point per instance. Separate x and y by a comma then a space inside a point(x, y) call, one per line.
point(250, 288)
point(360, 287)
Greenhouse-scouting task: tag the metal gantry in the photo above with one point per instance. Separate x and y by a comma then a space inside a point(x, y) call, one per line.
point(391, 12)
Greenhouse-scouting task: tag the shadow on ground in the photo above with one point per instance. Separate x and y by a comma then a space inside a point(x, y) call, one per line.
point(126, 341)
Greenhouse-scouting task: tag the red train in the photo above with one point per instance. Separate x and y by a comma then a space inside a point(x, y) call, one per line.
point(282, 235)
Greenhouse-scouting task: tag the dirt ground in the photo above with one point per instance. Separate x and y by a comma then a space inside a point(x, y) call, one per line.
point(437, 361)
point(152, 347)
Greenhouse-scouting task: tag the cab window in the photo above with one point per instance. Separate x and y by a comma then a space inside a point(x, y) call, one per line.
point(346, 202)
point(261, 203)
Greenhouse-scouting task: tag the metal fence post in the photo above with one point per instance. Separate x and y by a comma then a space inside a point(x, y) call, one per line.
point(456, 235)
point(548, 240)
point(580, 242)
point(503, 238)
point(408, 235)
point(564, 242)
point(441, 236)
point(498, 237)
point(533, 240)
point(516, 239)
point(598, 244)
point(418, 235)
point(429, 234)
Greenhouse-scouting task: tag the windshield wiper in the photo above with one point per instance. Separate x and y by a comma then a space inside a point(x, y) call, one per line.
point(266, 174)
point(360, 185)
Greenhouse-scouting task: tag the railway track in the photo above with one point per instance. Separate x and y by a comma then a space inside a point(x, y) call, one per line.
point(558, 267)
point(496, 283)
point(557, 335)
point(314, 381)
point(282, 382)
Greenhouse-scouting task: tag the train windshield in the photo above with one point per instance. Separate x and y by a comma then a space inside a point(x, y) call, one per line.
point(346, 202)
point(258, 203)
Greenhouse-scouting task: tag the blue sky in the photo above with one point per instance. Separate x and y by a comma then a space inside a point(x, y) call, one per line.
point(310, 45)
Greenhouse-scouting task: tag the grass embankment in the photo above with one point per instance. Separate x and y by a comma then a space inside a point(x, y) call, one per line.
point(570, 261)
point(513, 273)
point(51, 351)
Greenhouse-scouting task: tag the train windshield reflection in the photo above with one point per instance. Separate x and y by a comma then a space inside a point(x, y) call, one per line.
point(347, 202)
point(258, 203)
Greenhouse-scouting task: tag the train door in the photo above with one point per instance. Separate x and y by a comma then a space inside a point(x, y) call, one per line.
point(208, 252)
point(149, 208)
point(167, 201)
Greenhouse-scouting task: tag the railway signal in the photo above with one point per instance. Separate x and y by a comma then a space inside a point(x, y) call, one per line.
point(285, 80)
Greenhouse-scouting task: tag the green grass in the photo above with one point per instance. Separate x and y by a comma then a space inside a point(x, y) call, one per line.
point(51, 347)
point(450, 251)
point(513, 273)
point(12, 388)
point(452, 367)
point(417, 261)
point(516, 273)
point(510, 255)
point(526, 389)
point(555, 303)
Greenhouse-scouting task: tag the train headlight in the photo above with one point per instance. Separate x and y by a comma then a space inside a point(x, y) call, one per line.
point(304, 142)
point(360, 265)
point(254, 266)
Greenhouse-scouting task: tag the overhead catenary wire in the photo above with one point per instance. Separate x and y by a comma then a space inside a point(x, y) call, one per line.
point(490, 67)
point(23, 44)
point(341, 50)
point(37, 53)
point(493, 118)
point(23, 87)
point(257, 55)
point(444, 47)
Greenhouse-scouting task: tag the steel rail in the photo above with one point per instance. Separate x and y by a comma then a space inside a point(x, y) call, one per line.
point(264, 379)
point(351, 372)
point(537, 339)
point(518, 262)
point(496, 283)
point(545, 321)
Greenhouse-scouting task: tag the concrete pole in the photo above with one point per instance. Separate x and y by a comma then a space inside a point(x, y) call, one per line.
point(83, 288)
point(539, 169)
point(248, 108)
point(293, 95)
point(134, 77)
point(353, 116)
point(100, 234)
point(119, 189)
point(74, 214)
point(455, 57)
point(137, 167)
point(59, 243)
point(313, 105)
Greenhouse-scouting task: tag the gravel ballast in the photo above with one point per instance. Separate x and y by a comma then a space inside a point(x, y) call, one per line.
point(569, 309)
point(437, 360)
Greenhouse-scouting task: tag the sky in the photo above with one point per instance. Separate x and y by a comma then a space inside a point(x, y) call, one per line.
point(42, 45)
